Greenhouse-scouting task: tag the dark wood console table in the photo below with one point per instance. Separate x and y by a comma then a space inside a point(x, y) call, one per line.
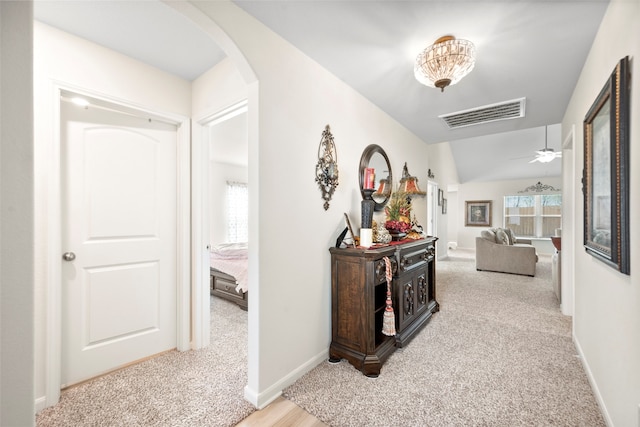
point(358, 295)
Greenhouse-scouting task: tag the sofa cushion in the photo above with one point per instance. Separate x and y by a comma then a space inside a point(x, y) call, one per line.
point(488, 235)
point(510, 235)
point(502, 237)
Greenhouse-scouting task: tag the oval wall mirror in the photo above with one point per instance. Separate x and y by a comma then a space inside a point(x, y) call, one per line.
point(374, 161)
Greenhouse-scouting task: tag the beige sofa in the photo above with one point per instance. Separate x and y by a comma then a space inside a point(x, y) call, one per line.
point(499, 250)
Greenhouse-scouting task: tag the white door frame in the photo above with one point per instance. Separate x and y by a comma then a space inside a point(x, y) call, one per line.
point(432, 207)
point(200, 196)
point(569, 229)
point(54, 238)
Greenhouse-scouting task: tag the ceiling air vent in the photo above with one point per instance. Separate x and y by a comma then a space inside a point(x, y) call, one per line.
point(489, 113)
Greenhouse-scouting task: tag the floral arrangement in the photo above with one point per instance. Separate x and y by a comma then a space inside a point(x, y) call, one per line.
point(398, 212)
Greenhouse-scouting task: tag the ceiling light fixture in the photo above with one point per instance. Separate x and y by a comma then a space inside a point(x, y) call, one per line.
point(546, 154)
point(445, 62)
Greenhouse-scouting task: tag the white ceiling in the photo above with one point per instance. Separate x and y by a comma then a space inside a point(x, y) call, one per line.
point(148, 30)
point(532, 49)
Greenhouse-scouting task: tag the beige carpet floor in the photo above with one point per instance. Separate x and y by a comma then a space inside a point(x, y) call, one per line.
point(499, 353)
point(194, 388)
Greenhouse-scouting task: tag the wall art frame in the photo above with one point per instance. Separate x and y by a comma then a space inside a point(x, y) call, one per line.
point(477, 213)
point(606, 172)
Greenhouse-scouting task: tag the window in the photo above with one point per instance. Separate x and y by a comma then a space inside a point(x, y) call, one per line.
point(534, 215)
point(237, 212)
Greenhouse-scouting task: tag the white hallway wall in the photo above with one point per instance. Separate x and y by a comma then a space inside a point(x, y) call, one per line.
point(607, 303)
point(16, 215)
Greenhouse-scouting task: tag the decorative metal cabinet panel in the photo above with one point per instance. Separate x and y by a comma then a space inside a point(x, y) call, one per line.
point(415, 288)
point(358, 294)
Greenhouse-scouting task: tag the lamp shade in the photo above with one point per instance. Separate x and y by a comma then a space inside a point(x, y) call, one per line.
point(384, 189)
point(445, 62)
point(409, 184)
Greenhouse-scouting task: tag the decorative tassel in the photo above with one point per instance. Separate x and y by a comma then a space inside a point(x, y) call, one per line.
point(389, 318)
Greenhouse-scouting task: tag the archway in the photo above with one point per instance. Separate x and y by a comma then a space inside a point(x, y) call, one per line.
point(200, 302)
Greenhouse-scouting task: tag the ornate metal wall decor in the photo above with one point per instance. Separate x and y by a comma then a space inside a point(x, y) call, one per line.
point(539, 188)
point(327, 166)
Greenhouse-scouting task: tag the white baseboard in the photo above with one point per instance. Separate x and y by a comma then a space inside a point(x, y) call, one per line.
point(40, 404)
point(594, 385)
point(260, 400)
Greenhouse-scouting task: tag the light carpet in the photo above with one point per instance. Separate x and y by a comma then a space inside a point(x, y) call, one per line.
point(193, 388)
point(499, 353)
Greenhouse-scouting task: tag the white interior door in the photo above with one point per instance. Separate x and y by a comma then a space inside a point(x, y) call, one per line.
point(118, 176)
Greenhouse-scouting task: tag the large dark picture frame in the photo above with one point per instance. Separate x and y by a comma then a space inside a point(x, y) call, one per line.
point(606, 172)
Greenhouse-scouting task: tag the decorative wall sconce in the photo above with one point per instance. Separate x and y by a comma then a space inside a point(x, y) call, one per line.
point(327, 166)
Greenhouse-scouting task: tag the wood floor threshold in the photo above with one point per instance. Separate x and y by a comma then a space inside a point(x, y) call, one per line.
point(281, 413)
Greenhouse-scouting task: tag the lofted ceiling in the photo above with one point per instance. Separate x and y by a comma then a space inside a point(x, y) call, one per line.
point(525, 49)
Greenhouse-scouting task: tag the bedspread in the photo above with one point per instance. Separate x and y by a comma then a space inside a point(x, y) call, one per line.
point(232, 258)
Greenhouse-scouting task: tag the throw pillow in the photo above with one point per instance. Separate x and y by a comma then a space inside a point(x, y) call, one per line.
point(488, 235)
point(501, 237)
point(511, 235)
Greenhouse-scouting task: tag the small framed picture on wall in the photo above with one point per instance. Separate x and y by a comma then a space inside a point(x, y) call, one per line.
point(444, 206)
point(478, 213)
point(440, 197)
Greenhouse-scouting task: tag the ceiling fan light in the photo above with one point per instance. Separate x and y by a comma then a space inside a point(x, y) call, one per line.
point(546, 157)
point(445, 62)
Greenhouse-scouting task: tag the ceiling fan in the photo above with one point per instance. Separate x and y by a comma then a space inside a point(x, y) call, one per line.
point(546, 154)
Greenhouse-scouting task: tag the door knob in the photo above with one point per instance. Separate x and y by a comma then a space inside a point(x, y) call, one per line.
point(68, 256)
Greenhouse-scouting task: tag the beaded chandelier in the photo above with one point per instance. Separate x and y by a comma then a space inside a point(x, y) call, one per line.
point(445, 62)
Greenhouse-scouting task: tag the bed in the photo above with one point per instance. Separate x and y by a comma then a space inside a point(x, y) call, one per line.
point(228, 273)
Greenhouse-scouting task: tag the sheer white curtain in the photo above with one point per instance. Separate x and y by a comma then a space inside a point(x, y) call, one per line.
point(534, 215)
point(237, 212)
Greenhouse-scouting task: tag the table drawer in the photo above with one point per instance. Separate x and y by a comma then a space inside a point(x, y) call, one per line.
point(415, 257)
